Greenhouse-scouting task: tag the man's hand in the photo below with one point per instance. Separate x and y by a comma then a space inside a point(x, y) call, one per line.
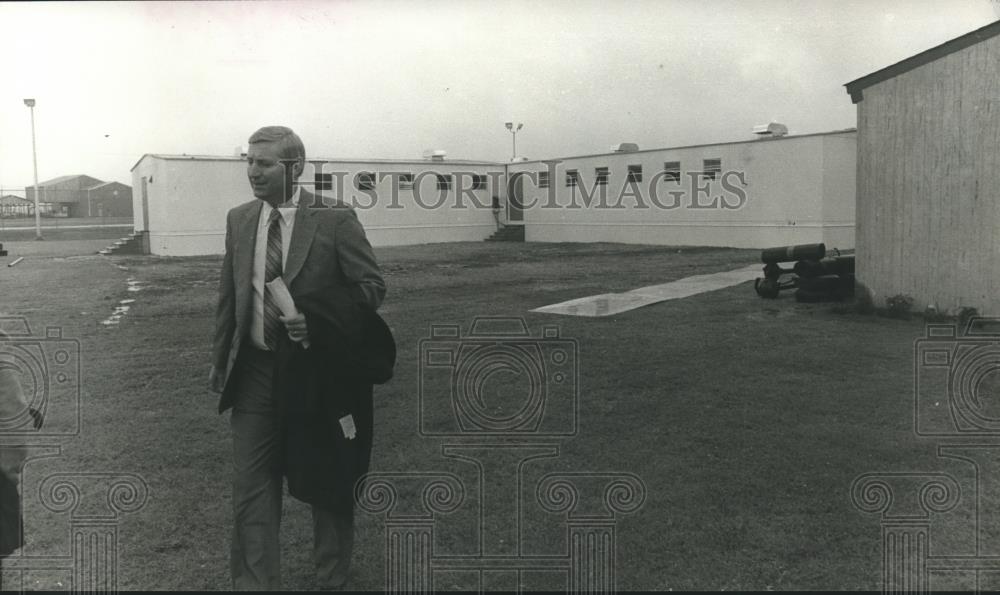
point(216, 380)
point(296, 326)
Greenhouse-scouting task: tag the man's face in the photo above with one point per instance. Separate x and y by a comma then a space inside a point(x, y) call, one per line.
point(267, 174)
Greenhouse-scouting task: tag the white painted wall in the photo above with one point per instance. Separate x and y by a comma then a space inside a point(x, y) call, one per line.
point(929, 185)
point(793, 190)
point(840, 158)
point(189, 199)
point(797, 190)
point(394, 216)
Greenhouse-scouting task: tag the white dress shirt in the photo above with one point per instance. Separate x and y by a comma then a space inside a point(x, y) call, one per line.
point(287, 212)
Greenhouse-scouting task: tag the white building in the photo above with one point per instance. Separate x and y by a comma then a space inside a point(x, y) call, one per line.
point(181, 200)
point(751, 194)
point(748, 194)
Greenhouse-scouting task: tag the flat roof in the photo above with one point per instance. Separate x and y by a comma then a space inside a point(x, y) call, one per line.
point(856, 87)
point(313, 160)
point(497, 163)
point(677, 148)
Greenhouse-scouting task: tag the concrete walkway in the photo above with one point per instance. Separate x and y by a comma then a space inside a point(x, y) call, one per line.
point(607, 304)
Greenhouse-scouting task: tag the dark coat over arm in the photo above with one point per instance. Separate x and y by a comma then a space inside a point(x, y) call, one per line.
point(350, 349)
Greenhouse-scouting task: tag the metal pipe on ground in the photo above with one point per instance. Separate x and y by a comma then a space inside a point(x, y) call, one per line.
point(838, 265)
point(791, 253)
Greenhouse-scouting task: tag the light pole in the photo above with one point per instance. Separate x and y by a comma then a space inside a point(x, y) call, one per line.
point(513, 132)
point(34, 162)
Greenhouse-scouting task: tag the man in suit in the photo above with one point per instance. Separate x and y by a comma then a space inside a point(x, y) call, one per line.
point(285, 232)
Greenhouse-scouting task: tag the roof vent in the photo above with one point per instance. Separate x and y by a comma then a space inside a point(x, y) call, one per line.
point(435, 154)
point(772, 130)
point(624, 148)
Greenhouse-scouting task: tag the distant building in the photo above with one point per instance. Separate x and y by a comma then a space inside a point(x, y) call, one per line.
point(12, 205)
point(64, 195)
point(928, 210)
point(109, 199)
point(15, 206)
point(83, 196)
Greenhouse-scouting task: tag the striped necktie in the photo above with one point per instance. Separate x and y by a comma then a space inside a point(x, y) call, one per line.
point(272, 269)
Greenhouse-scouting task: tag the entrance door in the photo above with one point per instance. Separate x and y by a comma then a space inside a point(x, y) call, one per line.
point(145, 206)
point(515, 199)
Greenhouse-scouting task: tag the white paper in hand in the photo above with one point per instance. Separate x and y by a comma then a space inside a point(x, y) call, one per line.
point(347, 424)
point(284, 300)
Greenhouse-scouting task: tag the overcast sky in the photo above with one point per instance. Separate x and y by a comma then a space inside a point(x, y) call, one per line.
point(392, 79)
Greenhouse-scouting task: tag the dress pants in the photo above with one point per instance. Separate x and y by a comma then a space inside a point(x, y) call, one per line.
point(255, 556)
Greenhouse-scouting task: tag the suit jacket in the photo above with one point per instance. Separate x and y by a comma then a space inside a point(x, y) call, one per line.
point(335, 282)
point(328, 251)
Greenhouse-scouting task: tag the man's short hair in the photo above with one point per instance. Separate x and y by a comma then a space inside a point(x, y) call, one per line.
point(291, 146)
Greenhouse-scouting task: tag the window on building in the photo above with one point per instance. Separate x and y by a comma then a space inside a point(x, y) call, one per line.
point(323, 181)
point(712, 169)
point(572, 177)
point(365, 181)
point(634, 173)
point(478, 182)
point(406, 181)
point(543, 179)
point(672, 169)
point(443, 182)
point(601, 173)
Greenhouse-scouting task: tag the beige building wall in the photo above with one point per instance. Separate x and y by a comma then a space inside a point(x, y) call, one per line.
point(790, 190)
point(187, 203)
point(397, 214)
point(929, 183)
point(840, 157)
point(188, 199)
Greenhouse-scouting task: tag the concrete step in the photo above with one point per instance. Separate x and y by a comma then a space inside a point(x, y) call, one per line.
point(510, 233)
point(127, 245)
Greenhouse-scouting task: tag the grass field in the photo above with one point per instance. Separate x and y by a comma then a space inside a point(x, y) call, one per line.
point(746, 419)
point(56, 236)
point(48, 222)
